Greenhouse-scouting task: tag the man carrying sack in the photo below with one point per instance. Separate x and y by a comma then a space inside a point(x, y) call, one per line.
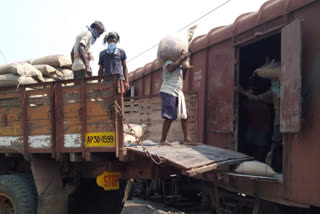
point(272, 96)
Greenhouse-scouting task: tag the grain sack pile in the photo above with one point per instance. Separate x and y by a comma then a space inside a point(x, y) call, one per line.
point(19, 73)
point(43, 69)
point(56, 67)
point(171, 46)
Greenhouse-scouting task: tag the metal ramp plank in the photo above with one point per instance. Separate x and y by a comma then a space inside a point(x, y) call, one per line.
point(189, 158)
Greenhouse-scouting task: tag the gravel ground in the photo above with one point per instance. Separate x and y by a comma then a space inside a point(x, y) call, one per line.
point(140, 206)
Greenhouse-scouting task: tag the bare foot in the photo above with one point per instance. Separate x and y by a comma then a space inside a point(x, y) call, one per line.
point(189, 142)
point(166, 143)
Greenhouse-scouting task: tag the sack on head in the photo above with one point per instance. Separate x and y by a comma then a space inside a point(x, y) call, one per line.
point(171, 46)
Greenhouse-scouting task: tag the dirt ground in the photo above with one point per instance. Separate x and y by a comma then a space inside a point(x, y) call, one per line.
point(140, 206)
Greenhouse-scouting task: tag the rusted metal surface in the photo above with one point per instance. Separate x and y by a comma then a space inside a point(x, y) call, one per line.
point(156, 81)
point(197, 82)
point(220, 92)
point(11, 115)
point(52, 196)
point(55, 117)
point(59, 117)
point(300, 178)
point(25, 123)
point(301, 150)
point(118, 119)
point(83, 116)
point(190, 158)
point(266, 190)
point(291, 50)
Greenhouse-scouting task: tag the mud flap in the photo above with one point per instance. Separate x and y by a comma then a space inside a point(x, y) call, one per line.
point(52, 198)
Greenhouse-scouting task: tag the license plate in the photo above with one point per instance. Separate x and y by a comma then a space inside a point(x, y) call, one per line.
point(100, 139)
point(109, 180)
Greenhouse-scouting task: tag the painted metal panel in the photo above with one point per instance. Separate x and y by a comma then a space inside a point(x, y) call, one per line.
point(138, 87)
point(198, 83)
point(291, 51)
point(301, 150)
point(156, 81)
point(220, 89)
point(147, 85)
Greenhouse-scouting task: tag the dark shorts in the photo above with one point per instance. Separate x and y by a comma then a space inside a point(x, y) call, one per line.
point(79, 74)
point(169, 107)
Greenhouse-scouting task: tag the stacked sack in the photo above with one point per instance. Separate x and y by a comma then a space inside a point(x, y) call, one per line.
point(130, 139)
point(19, 73)
point(49, 68)
point(54, 67)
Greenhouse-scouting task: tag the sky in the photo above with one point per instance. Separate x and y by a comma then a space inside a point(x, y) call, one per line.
point(35, 28)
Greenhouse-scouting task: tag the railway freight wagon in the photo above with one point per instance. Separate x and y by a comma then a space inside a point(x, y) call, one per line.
point(226, 58)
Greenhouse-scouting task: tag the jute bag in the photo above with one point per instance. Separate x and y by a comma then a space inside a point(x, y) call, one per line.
point(59, 61)
point(21, 69)
point(171, 46)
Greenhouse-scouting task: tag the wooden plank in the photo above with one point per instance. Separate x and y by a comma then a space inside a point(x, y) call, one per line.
point(68, 89)
point(104, 84)
point(214, 166)
point(9, 95)
point(71, 97)
point(202, 169)
point(106, 94)
point(38, 101)
point(10, 102)
point(148, 111)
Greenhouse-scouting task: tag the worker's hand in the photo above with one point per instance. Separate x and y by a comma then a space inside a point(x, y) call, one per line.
point(127, 86)
point(268, 159)
point(91, 57)
point(239, 89)
point(184, 55)
point(88, 70)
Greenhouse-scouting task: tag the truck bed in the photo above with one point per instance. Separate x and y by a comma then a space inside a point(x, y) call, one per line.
point(62, 117)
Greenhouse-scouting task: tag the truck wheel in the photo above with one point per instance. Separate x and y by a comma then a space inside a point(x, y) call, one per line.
point(90, 198)
point(17, 195)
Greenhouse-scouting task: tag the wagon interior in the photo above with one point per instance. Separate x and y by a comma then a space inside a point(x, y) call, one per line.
point(251, 57)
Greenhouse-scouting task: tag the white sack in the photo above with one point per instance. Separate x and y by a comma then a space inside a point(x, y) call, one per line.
point(49, 71)
point(139, 129)
point(22, 69)
point(7, 80)
point(53, 60)
point(255, 168)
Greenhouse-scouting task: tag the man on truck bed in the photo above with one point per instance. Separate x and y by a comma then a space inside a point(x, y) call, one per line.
point(80, 54)
point(171, 96)
point(113, 60)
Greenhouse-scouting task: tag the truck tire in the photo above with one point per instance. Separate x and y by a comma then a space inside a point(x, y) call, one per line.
point(17, 195)
point(90, 198)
